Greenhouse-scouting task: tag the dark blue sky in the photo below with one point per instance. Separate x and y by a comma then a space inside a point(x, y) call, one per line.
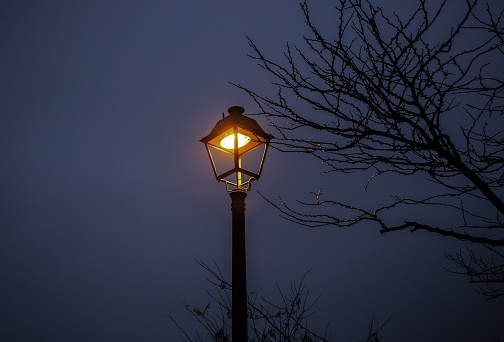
point(107, 195)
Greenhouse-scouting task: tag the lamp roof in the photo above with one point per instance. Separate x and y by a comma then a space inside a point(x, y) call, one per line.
point(236, 118)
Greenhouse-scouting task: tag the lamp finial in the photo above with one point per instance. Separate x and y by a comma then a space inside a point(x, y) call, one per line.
point(236, 110)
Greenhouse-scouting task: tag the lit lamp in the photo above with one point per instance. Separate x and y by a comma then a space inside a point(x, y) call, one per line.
point(237, 135)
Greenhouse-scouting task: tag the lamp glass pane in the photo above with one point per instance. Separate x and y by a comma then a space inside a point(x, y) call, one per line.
point(252, 160)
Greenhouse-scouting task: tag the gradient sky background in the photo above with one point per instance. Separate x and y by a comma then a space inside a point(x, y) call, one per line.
point(107, 195)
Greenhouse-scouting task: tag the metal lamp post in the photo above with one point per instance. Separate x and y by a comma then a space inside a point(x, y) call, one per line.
point(233, 137)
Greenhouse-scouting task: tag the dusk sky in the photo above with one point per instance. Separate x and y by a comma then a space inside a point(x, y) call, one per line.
point(108, 197)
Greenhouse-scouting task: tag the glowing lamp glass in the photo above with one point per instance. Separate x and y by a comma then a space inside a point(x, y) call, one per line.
point(228, 142)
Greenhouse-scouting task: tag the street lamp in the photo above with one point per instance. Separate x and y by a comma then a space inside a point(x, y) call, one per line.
point(234, 136)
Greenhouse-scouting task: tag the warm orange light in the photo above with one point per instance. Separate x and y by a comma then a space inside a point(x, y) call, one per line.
point(228, 142)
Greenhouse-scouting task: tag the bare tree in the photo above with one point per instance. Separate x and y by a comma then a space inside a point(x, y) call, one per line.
point(283, 320)
point(487, 273)
point(388, 95)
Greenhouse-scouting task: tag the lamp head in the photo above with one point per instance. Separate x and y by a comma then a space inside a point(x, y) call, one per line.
point(236, 135)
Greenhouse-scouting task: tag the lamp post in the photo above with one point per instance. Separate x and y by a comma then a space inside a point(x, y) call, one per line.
point(233, 137)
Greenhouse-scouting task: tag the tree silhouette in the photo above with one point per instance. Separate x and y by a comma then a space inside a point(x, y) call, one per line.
point(407, 96)
point(282, 320)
